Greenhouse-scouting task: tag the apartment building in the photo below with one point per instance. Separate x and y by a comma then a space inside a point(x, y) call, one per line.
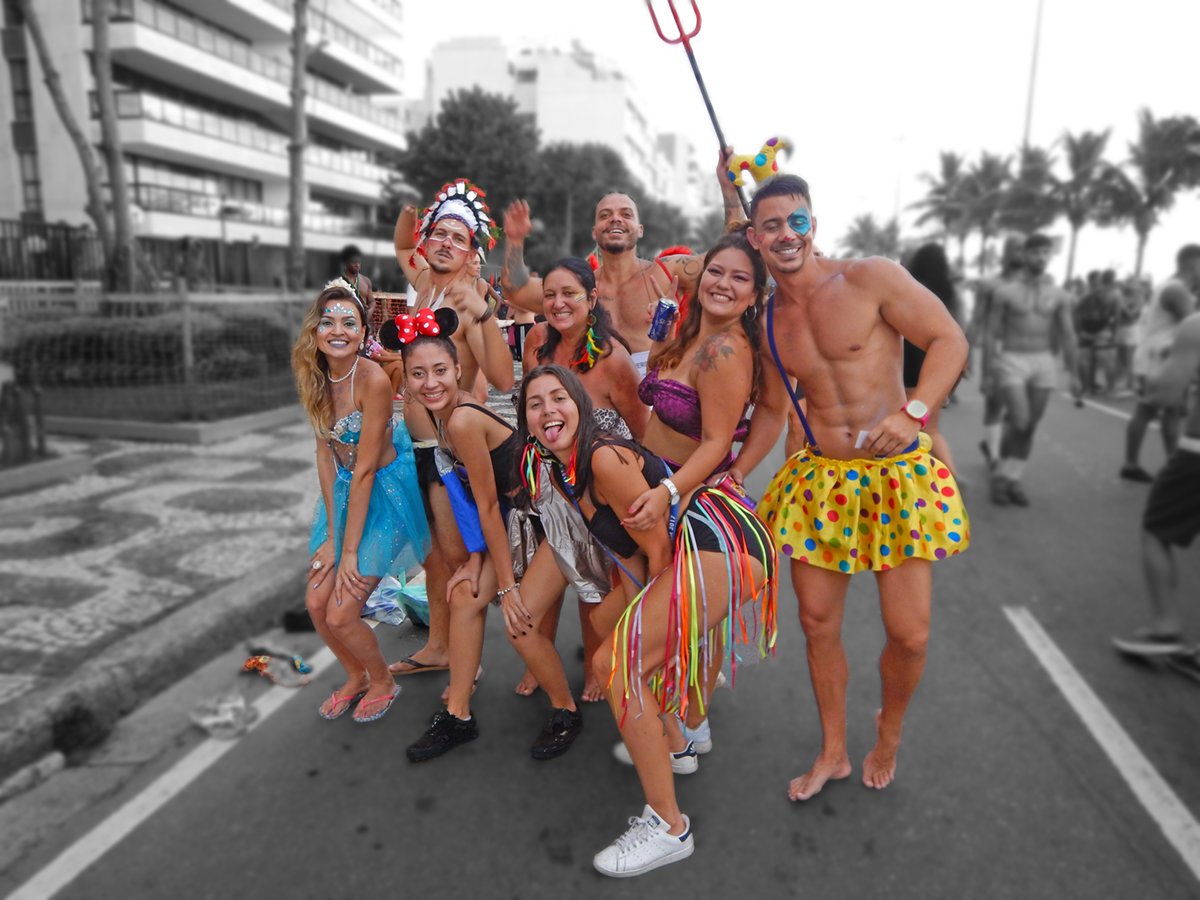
point(575, 96)
point(204, 100)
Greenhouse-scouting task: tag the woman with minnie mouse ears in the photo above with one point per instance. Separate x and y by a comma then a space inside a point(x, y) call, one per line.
point(369, 520)
point(476, 456)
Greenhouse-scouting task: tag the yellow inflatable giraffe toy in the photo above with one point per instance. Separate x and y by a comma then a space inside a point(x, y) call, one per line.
point(761, 165)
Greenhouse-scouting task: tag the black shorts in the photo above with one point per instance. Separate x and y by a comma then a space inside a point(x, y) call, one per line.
point(427, 474)
point(740, 530)
point(1173, 508)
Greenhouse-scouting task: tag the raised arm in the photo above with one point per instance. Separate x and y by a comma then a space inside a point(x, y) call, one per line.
point(482, 334)
point(404, 238)
point(687, 268)
point(520, 288)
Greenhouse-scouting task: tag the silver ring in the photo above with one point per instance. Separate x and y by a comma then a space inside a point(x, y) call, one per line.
point(316, 564)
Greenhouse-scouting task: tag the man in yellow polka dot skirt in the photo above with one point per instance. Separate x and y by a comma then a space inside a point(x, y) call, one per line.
point(864, 494)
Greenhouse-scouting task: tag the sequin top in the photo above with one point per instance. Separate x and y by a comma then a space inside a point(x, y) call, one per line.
point(677, 406)
point(346, 433)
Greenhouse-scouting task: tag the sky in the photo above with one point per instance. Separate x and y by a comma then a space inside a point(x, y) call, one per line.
point(870, 91)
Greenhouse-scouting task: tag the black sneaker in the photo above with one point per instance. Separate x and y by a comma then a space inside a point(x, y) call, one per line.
point(445, 732)
point(1136, 473)
point(1017, 494)
point(558, 735)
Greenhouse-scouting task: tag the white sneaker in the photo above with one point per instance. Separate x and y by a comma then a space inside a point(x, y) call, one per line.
point(700, 736)
point(645, 846)
point(685, 762)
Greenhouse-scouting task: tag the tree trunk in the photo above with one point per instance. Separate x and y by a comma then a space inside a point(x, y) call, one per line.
point(296, 186)
point(91, 168)
point(1071, 251)
point(121, 266)
point(1143, 235)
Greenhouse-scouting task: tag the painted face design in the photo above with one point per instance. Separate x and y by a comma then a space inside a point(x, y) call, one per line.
point(800, 222)
point(350, 321)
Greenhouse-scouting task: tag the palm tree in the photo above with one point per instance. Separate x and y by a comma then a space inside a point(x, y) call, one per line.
point(1077, 193)
point(1163, 161)
point(867, 238)
point(1029, 204)
point(987, 181)
point(122, 264)
point(297, 194)
point(945, 202)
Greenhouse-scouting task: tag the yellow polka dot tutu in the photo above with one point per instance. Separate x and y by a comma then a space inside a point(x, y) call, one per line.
point(858, 515)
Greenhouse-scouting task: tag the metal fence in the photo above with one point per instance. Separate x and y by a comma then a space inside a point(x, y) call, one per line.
point(174, 357)
point(32, 251)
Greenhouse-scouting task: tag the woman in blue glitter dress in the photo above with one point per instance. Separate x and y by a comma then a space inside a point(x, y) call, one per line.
point(369, 520)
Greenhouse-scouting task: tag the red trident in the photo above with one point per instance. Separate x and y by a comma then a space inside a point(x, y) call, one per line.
point(685, 37)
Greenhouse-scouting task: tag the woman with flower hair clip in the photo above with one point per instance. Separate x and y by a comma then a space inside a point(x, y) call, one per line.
point(369, 520)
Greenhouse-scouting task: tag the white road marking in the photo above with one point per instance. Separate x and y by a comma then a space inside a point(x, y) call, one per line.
point(1164, 806)
point(1110, 410)
point(69, 864)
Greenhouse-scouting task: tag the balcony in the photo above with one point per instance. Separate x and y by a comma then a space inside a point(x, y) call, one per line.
point(347, 56)
point(150, 126)
point(335, 50)
point(178, 49)
point(168, 212)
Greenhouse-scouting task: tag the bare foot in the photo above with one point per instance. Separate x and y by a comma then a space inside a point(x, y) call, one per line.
point(376, 699)
point(593, 690)
point(810, 783)
point(527, 685)
point(421, 661)
point(879, 768)
point(344, 697)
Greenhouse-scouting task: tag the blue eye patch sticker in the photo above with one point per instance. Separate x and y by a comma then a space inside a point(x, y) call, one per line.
point(800, 222)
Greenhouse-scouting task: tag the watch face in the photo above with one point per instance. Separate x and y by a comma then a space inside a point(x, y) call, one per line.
point(916, 409)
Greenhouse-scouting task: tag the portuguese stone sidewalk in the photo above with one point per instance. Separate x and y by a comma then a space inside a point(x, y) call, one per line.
point(116, 583)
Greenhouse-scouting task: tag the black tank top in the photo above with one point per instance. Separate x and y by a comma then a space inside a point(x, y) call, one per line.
point(504, 457)
point(605, 524)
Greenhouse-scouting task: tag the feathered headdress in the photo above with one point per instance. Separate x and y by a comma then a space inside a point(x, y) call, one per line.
point(459, 199)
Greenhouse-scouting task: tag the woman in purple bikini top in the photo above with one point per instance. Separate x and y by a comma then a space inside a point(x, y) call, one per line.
point(677, 405)
point(700, 384)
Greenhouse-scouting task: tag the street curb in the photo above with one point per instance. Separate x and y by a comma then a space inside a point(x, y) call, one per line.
point(82, 709)
point(28, 476)
point(191, 433)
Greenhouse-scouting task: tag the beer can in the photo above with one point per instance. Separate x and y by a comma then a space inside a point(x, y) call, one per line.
point(664, 314)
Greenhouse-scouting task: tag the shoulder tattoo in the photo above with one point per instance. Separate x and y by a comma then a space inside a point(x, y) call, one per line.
point(712, 351)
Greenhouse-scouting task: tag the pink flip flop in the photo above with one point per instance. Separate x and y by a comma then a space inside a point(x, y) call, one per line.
point(387, 700)
point(349, 699)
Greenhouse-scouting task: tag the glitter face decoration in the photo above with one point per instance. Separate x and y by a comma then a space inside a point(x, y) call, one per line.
point(800, 222)
point(352, 325)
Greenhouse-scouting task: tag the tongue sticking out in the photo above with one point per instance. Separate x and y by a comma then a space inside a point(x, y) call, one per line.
point(552, 432)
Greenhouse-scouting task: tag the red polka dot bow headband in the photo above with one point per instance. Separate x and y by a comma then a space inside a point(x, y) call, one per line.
point(423, 324)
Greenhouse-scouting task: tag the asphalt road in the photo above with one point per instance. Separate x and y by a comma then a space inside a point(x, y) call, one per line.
point(1002, 791)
